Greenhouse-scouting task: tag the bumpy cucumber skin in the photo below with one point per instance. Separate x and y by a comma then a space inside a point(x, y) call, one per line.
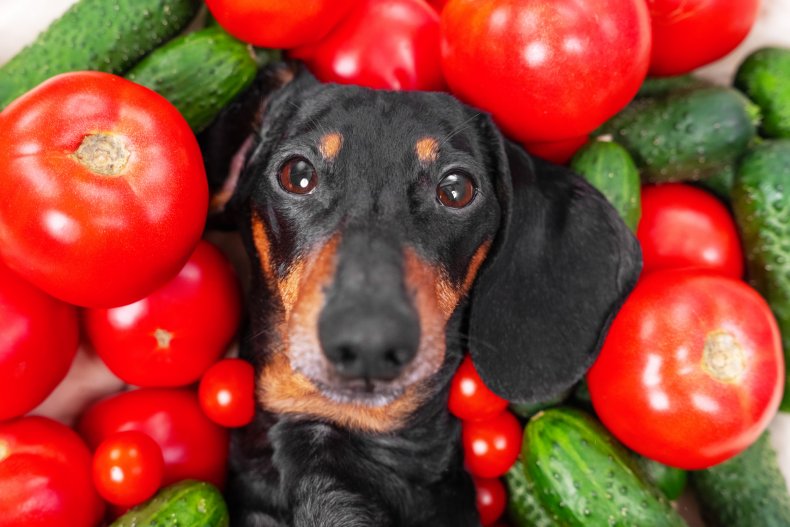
point(184, 504)
point(746, 491)
point(101, 35)
point(523, 507)
point(761, 201)
point(199, 73)
point(670, 481)
point(687, 135)
point(610, 168)
point(765, 77)
point(584, 477)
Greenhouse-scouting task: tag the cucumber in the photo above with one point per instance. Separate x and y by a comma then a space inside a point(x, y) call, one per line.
point(585, 477)
point(721, 182)
point(200, 73)
point(184, 504)
point(765, 77)
point(101, 35)
point(662, 86)
point(745, 491)
point(523, 507)
point(610, 169)
point(688, 135)
point(670, 481)
point(761, 201)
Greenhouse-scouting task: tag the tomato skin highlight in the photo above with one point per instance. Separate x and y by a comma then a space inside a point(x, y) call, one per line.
point(491, 446)
point(470, 399)
point(490, 499)
point(36, 331)
point(691, 371)
point(227, 393)
point(128, 468)
point(45, 476)
point(547, 70)
point(683, 227)
point(170, 337)
point(90, 238)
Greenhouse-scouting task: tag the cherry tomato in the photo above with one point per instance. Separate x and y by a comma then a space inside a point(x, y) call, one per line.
point(470, 399)
point(193, 447)
point(38, 341)
point(128, 468)
point(546, 69)
point(691, 371)
point(490, 499)
point(104, 191)
point(688, 34)
point(45, 476)
point(686, 227)
point(491, 446)
point(227, 392)
point(279, 23)
point(388, 44)
point(170, 337)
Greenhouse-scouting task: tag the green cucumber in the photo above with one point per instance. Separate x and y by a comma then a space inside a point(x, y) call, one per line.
point(745, 491)
point(585, 477)
point(662, 86)
point(200, 73)
point(687, 135)
point(523, 507)
point(184, 504)
point(670, 481)
point(765, 77)
point(721, 182)
point(101, 35)
point(761, 201)
point(610, 169)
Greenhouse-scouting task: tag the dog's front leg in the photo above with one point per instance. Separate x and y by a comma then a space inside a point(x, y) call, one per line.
point(320, 500)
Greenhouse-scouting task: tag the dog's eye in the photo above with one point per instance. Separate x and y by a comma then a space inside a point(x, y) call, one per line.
point(456, 190)
point(298, 176)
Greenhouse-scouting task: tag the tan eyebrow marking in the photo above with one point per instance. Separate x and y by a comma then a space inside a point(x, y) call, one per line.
point(427, 149)
point(330, 145)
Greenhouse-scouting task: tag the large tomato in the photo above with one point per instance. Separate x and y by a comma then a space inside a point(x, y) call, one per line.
point(45, 476)
point(686, 227)
point(279, 23)
point(388, 44)
point(38, 340)
point(171, 336)
point(103, 186)
point(688, 34)
point(192, 446)
point(691, 371)
point(546, 69)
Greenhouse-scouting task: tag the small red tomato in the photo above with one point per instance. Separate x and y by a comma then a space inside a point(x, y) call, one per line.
point(38, 341)
point(172, 336)
point(492, 446)
point(387, 44)
point(470, 399)
point(128, 468)
point(683, 227)
point(490, 499)
point(227, 392)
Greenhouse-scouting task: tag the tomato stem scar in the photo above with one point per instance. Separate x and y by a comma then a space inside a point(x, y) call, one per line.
point(723, 358)
point(5, 451)
point(103, 153)
point(163, 338)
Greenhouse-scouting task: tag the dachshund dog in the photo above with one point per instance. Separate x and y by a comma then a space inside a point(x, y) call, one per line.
point(389, 233)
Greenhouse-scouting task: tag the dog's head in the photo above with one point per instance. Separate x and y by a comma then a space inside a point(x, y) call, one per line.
point(388, 230)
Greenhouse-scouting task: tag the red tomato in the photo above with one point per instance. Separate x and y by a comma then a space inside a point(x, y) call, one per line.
point(688, 34)
point(227, 392)
point(691, 371)
point(490, 499)
point(174, 334)
point(128, 468)
point(559, 152)
point(470, 399)
point(686, 227)
point(389, 44)
point(104, 191)
point(192, 446)
point(38, 340)
point(438, 4)
point(279, 23)
point(546, 69)
point(492, 446)
point(45, 476)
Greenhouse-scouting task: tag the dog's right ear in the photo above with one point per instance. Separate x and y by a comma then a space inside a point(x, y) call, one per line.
point(256, 115)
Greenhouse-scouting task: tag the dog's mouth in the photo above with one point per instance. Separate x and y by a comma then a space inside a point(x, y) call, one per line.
point(360, 392)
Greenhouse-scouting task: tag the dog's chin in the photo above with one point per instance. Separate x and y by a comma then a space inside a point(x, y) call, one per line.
point(361, 393)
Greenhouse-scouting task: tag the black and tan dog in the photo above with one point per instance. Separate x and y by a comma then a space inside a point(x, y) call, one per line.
point(390, 232)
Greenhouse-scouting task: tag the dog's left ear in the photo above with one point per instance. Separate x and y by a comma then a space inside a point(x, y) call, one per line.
point(561, 267)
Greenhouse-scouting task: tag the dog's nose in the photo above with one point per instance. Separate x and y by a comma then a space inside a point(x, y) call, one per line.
point(369, 343)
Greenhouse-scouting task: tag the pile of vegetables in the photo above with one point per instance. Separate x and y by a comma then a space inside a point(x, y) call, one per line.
point(105, 199)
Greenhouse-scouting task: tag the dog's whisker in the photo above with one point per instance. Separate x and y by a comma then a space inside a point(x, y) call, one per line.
point(458, 129)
